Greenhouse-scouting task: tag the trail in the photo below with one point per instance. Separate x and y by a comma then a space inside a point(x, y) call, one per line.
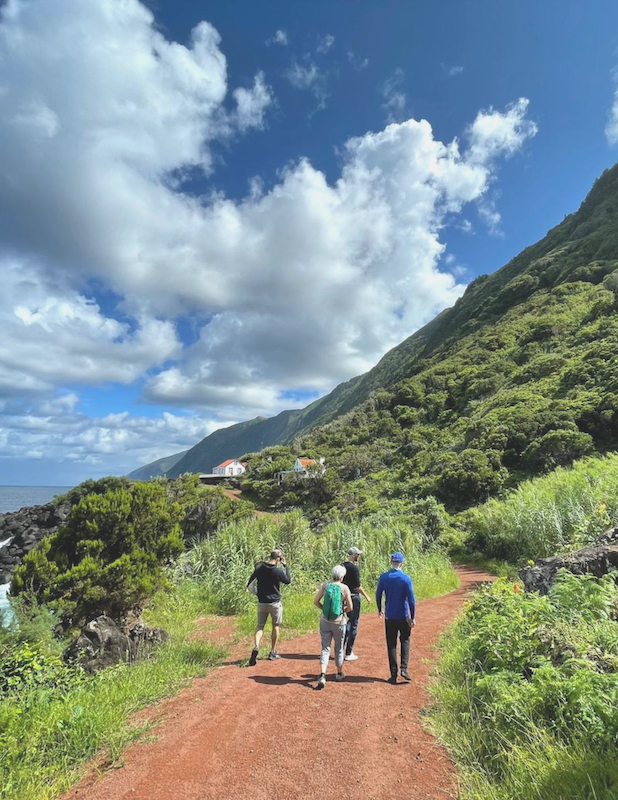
point(265, 733)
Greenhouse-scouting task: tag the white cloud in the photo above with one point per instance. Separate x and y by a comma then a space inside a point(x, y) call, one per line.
point(303, 76)
point(357, 62)
point(118, 443)
point(394, 99)
point(325, 43)
point(279, 37)
point(106, 116)
point(252, 103)
point(490, 216)
point(451, 72)
point(332, 275)
point(304, 285)
point(52, 335)
point(306, 75)
point(496, 133)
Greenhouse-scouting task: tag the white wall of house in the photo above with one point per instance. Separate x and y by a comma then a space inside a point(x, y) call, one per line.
point(235, 468)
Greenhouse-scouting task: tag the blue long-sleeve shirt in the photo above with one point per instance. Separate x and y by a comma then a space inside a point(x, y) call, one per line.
point(397, 586)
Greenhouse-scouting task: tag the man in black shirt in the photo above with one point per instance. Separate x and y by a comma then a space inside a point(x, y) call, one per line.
point(269, 578)
point(353, 582)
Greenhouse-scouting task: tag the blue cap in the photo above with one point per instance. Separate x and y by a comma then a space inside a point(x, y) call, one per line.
point(398, 557)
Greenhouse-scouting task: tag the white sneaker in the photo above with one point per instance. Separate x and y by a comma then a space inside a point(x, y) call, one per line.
point(351, 657)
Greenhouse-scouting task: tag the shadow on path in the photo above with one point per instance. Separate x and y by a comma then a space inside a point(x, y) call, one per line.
point(309, 680)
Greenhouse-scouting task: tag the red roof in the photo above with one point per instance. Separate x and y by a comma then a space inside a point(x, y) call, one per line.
point(225, 463)
point(305, 462)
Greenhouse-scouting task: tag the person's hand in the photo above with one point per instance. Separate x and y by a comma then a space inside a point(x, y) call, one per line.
point(381, 614)
point(412, 623)
point(368, 599)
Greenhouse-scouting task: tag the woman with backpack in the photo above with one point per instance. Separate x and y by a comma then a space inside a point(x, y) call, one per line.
point(334, 601)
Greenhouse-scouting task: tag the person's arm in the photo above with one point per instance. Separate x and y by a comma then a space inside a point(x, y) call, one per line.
point(379, 592)
point(317, 600)
point(411, 601)
point(283, 576)
point(364, 594)
point(253, 576)
point(347, 599)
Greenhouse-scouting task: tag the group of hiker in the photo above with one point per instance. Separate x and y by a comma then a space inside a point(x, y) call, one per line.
point(340, 603)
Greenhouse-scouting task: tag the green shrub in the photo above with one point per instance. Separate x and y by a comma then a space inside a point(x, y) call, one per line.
point(29, 666)
point(527, 695)
point(107, 558)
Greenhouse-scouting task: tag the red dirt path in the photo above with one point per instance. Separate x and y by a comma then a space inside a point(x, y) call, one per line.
point(265, 733)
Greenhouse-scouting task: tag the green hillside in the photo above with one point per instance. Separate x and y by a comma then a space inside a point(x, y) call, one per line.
point(535, 326)
point(519, 377)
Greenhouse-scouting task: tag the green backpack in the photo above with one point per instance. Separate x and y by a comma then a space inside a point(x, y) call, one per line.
point(332, 601)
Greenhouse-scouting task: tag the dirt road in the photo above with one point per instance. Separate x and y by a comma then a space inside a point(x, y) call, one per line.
point(265, 733)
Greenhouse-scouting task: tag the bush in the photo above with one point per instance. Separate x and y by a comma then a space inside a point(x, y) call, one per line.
point(31, 666)
point(528, 691)
point(107, 558)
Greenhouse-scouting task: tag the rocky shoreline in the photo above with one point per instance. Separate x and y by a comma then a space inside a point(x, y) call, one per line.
point(23, 529)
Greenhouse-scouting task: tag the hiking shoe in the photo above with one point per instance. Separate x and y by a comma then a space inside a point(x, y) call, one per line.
point(339, 676)
point(351, 657)
point(321, 682)
point(406, 675)
point(272, 656)
point(392, 679)
point(253, 658)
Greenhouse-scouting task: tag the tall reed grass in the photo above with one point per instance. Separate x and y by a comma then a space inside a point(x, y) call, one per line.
point(563, 510)
point(223, 564)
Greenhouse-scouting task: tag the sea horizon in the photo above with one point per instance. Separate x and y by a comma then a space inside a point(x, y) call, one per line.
point(16, 496)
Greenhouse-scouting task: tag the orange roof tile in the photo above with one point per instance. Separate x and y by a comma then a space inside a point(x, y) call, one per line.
point(225, 463)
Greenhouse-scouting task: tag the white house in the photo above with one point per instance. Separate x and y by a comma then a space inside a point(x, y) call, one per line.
point(302, 465)
point(229, 467)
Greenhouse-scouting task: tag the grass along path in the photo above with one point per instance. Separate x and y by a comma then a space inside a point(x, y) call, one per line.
point(264, 733)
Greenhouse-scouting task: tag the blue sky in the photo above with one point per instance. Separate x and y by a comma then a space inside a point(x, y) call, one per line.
point(217, 210)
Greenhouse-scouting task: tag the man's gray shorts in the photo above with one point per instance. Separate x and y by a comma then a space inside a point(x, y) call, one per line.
point(272, 610)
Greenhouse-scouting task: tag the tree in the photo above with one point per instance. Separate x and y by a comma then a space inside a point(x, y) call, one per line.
point(108, 557)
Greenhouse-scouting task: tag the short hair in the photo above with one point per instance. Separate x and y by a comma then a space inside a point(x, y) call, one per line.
point(275, 554)
point(339, 572)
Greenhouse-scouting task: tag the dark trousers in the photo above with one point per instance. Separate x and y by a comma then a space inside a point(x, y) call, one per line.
point(351, 628)
point(403, 628)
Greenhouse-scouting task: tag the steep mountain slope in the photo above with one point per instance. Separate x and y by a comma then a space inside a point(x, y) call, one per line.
point(519, 377)
point(156, 468)
point(581, 248)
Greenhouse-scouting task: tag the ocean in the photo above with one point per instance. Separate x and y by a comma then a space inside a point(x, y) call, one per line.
point(12, 498)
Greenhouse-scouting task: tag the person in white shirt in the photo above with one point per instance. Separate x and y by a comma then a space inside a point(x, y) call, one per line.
point(334, 600)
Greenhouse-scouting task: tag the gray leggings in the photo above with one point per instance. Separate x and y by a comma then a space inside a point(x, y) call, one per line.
point(329, 631)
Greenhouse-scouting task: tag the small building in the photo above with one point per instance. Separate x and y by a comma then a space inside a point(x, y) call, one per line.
point(304, 465)
point(303, 468)
point(230, 467)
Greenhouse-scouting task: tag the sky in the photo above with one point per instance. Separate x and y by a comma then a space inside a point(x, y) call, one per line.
point(212, 211)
